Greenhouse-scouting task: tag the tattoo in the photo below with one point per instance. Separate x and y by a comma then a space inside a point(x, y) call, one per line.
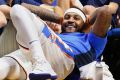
point(43, 13)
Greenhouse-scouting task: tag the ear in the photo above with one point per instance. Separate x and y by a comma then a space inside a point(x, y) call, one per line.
point(86, 26)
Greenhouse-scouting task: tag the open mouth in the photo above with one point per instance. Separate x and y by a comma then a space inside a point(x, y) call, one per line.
point(71, 26)
point(70, 29)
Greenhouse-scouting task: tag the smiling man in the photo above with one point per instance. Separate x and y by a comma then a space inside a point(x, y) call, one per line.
point(55, 55)
point(73, 20)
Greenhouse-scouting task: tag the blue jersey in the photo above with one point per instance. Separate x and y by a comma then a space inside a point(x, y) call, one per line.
point(115, 32)
point(86, 47)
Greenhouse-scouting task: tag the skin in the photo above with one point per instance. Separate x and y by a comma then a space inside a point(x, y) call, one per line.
point(58, 10)
point(6, 10)
point(66, 4)
point(4, 15)
point(3, 20)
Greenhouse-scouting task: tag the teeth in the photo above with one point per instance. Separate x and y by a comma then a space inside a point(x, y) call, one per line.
point(70, 26)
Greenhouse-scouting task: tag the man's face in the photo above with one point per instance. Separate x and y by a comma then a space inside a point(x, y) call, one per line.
point(72, 22)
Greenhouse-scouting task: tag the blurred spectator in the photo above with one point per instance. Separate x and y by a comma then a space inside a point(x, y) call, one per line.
point(65, 4)
point(113, 4)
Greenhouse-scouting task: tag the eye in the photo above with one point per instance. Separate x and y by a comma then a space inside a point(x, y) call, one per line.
point(76, 17)
point(67, 17)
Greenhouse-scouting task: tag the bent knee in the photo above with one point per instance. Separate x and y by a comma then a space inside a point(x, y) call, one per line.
point(17, 11)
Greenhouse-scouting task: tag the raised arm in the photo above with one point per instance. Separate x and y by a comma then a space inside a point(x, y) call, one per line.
point(102, 21)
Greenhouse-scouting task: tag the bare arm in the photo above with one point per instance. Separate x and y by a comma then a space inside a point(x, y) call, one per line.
point(44, 13)
point(3, 20)
point(102, 22)
point(6, 10)
point(58, 11)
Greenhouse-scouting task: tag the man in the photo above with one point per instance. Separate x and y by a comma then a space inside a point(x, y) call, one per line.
point(62, 51)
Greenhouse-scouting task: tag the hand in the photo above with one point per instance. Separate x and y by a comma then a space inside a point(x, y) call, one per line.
point(54, 26)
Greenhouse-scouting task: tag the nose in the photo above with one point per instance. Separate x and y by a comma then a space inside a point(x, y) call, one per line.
point(71, 20)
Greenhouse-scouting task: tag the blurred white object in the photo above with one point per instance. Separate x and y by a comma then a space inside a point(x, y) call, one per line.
point(95, 71)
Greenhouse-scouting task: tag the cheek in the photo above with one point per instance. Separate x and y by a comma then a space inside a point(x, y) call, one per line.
point(64, 22)
point(80, 24)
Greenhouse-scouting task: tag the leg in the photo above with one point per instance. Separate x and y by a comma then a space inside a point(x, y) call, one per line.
point(9, 69)
point(28, 37)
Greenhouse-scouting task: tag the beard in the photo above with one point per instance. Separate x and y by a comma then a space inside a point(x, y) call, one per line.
point(70, 27)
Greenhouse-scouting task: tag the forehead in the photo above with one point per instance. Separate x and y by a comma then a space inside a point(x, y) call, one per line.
point(72, 14)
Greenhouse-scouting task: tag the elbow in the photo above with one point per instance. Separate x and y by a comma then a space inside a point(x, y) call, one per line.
point(16, 12)
point(3, 20)
point(105, 15)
